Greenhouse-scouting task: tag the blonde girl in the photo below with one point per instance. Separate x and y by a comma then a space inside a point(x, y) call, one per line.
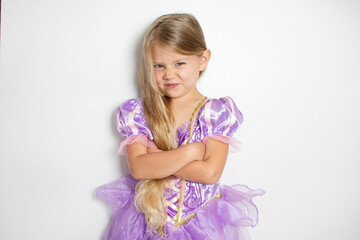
point(176, 142)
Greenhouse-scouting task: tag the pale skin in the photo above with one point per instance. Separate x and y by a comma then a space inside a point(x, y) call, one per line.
point(176, 75)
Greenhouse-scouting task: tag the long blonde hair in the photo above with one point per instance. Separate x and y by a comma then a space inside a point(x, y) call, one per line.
point(180, 33)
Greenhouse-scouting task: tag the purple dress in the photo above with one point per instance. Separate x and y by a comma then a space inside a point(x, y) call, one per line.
point(194, 210)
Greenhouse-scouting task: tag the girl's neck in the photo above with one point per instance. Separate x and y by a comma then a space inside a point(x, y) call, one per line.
point(183, 108)
point(190, 99)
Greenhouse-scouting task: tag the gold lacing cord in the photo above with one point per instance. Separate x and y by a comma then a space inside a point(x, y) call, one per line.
point(183, 222)
point(191, 130)
point(192, 119)
point(161, 232)
point(179, 223)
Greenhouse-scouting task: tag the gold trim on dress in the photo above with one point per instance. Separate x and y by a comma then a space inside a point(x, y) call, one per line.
point(178, 222)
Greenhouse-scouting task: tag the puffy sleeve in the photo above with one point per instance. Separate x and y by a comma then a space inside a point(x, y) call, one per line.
point(131, 124)
point(219, 119)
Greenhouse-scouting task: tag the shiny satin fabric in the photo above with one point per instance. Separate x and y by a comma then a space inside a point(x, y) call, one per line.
point(195, 210)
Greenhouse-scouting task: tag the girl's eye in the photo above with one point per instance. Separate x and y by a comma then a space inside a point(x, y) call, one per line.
point(179, 64)
point(158, 66)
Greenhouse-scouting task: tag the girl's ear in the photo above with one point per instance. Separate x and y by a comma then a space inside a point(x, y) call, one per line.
point(204, 59)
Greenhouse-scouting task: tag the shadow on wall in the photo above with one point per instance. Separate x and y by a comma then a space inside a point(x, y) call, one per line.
point(123, 165)
point(0, 19)
point(137, 58)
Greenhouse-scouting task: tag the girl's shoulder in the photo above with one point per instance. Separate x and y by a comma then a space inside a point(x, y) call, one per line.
point(130, 119)
point(131, 124)
point(220, 116)
point(224, 106)
point(131, 105)
point(227, 101)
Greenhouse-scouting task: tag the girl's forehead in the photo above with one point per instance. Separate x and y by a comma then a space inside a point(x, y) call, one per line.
point(161, 48)
point(160, 51)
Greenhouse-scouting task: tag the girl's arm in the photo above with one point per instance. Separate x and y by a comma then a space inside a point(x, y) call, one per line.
point(155, 165)
point(210, 169)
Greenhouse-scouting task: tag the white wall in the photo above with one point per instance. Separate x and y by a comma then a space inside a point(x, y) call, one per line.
point(293, 68)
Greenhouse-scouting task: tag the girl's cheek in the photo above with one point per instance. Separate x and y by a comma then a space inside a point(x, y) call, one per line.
point(158, 82)
point(157, 77)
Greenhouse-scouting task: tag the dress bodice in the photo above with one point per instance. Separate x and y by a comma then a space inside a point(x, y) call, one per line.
point(216, 118)
point(222, 212)
point(185, 197)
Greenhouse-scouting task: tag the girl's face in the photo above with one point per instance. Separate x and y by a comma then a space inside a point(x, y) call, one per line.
point(176, 74)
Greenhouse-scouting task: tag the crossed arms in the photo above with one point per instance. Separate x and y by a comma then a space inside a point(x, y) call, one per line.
point(194, 161)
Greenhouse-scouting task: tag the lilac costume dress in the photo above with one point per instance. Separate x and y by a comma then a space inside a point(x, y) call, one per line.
point(195, 210)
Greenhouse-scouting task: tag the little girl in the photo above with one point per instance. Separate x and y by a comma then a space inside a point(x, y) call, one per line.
point(176, 142)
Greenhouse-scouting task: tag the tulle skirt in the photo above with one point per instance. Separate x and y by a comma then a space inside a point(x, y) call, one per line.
point(222, 218)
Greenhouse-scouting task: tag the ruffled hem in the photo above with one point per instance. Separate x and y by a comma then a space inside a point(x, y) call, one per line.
point(234, 144)
point(222, 218)
point(135, 138)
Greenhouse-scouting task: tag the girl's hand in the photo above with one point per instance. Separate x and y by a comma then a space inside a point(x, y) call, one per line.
point(210, 169)
point(153, 150)
point(196, 150)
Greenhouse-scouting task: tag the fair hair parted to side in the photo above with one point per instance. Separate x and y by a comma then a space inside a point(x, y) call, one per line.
point(180, 33)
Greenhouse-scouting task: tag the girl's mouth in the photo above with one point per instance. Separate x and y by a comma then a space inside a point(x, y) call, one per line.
point(172, 85)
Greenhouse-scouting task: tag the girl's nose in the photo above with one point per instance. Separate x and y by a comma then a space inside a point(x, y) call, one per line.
point(169, 74)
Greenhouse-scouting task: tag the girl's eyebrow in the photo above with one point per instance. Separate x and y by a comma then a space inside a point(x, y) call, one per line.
point(156, 62)
point(182, 59)
point(178, 60)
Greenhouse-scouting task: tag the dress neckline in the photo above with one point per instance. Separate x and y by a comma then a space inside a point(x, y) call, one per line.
point(182, 126)
point(192, 115)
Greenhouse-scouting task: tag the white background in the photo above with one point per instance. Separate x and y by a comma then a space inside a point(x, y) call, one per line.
point(292, 67)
